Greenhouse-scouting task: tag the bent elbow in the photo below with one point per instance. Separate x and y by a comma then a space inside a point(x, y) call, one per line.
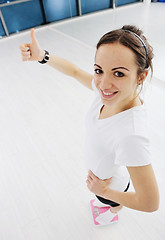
point(153, 206)
point(150, 204)
point(153, 209)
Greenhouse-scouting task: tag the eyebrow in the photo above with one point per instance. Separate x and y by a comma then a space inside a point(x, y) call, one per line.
point(112, 68)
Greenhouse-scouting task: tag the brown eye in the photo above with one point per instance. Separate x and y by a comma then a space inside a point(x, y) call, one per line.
point(119, 74)
point(98, 71)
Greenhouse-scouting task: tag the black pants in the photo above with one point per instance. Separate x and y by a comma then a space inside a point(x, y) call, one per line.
point(109, 202)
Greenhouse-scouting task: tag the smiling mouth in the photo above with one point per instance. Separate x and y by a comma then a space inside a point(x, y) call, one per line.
point(108, 95)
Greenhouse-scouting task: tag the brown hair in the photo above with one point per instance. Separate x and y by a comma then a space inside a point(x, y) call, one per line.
point(133, 38)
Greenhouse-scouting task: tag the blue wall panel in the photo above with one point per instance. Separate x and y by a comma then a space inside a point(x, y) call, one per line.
point(6, 1)
point(88, 6)
point(59, 9)
point(2, 33)
point(123, 2)
point(22, 16)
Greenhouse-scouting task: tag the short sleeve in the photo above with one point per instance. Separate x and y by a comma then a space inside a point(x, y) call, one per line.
point(133, 151)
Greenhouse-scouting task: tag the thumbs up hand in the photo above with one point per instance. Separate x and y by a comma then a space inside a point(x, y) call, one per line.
point(32, 51)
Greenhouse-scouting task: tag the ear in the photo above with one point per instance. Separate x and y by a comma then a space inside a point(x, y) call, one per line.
point(142, 77)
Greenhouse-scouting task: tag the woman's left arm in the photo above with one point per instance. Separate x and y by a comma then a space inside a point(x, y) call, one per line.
point(146, 195)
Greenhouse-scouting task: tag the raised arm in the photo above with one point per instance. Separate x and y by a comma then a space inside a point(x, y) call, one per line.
point(33, 52)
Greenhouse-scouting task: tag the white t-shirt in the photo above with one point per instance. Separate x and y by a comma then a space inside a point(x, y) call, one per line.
point(113, 143)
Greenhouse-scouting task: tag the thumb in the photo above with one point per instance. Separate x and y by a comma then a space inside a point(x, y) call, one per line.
point(32, 34)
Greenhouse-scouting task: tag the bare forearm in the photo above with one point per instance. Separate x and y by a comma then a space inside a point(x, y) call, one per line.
point(68, 68)
point(146, 195)
point(129, 199)
point(62, 65)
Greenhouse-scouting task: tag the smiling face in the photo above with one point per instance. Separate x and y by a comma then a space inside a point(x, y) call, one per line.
point(116, 76)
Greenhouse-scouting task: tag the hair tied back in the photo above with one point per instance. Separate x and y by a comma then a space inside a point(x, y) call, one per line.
point(143, 43)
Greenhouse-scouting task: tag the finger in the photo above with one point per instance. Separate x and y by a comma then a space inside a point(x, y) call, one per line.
point(89, 179)
point(91, 174)
point(88, 182)
point(24, 47)
point(88, 185)
point(25, 59)
point(108, 180)
point(26, 54)
point(32, 34)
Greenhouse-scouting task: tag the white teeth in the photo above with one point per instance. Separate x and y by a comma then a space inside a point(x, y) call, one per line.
point(108, 94)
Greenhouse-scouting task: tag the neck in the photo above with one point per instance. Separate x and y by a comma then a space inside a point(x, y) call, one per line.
point(133, 103)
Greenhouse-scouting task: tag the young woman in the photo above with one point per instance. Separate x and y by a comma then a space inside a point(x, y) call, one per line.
point(116, 148)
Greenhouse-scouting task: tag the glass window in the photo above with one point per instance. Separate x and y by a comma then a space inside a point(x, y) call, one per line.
point(94, 5)
point(123, 2)
point(22, 15)
point(59, 9)
point(2, 32)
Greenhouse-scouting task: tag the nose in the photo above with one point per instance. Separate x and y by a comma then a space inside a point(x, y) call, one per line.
point(106, 83)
